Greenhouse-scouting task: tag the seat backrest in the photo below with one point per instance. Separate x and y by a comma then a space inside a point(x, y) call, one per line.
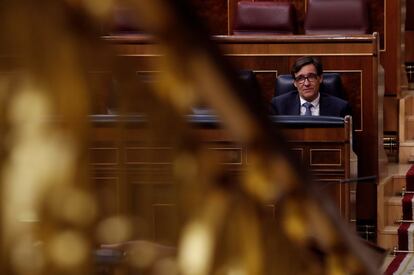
point(264, 17)
point(250, 85)
point(124, 20)
point(331, 84)
point(337, 17)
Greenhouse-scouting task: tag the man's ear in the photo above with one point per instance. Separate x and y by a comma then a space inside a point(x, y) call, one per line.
point(321, 79)
point(294, 84)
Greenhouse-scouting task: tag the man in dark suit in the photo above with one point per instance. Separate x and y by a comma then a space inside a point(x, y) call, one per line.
point(307, 100)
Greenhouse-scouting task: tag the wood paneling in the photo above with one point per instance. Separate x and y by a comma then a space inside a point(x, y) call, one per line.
point(377, 15)
point(106, 191)
point(384, 19)
point(391, 51)
point(352, 81)
point(391, 114)
point(409, 46)
point(144, 182)
point(101, 90)
point(325, 157)
point(355, 56)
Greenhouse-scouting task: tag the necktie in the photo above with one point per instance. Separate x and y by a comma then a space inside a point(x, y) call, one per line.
point(308, 107)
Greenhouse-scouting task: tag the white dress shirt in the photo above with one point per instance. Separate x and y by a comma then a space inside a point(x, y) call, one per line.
point(314, 108)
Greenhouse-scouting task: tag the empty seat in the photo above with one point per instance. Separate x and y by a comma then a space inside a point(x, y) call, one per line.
point(331, 84)
point(264, 17)
point(249, 86)
point(124, 20)
point(337, 17)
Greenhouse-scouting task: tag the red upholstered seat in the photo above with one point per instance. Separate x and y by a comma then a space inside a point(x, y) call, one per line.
point(337, 17)
point(124, 20)
point(264, 17)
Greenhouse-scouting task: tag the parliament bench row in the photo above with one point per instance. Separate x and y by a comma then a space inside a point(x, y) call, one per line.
point(322, 17)
point(137, 175)
point(271, 17)
point(355, 57)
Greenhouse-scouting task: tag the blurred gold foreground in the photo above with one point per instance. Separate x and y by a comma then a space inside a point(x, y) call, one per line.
point(52, 212)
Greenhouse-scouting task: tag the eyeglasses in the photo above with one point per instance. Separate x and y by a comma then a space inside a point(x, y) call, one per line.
point(310, 77)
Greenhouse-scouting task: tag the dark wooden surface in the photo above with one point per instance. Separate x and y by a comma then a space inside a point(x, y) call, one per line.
point(385, 19)
point(135, 177)
point(355, 57)
point(391, 47)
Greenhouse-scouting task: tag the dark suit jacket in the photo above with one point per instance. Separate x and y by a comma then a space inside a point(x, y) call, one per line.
point(289, 104)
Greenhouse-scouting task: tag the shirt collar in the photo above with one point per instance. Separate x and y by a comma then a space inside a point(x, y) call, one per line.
point(315, 102)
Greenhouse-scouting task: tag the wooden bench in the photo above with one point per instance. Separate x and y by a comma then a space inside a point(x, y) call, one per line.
point(134, 174)
point(355, 57)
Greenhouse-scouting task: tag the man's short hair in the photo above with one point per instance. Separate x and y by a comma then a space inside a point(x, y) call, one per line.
point(306, 60)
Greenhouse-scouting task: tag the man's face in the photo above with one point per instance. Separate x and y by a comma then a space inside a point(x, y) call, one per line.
point(307, 82)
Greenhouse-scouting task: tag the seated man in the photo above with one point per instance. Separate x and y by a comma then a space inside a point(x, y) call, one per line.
point(307, 100)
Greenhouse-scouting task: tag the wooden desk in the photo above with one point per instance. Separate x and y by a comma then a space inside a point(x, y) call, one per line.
point(135, 175)
point(355, 57)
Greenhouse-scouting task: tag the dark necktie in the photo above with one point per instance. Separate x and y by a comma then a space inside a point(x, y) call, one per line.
point(308, 107)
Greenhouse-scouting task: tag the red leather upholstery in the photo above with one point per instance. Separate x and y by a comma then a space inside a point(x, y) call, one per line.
point(264, 17)
point(337, 17)
point(124, 20)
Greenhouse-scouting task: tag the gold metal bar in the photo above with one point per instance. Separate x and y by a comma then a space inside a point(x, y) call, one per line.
point(403, 192)
point(396, 250)
point(401, 221)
